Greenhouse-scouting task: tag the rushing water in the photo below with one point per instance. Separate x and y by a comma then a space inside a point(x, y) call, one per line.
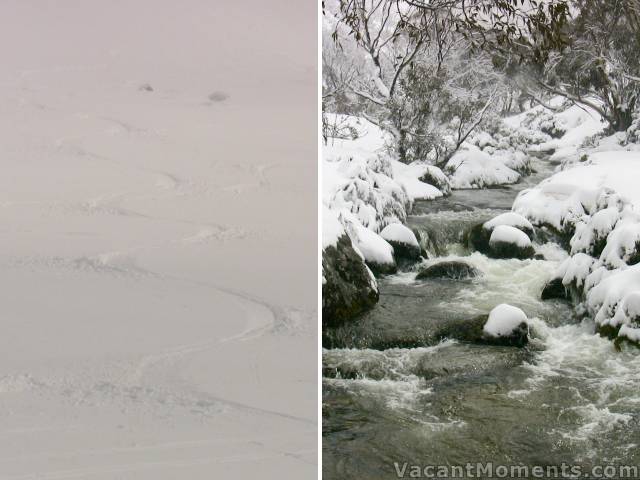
point(395, 391)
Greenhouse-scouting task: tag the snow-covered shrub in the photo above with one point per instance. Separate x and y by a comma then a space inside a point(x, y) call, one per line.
point(372, 196)
point(472, 168)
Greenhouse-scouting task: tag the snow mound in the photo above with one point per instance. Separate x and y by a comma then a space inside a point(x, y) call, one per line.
point(563, 200)
point(578, 124)
point(396, 232)
point(503, 320)
point(509, 234)
point(408, 177)
point(473, 168)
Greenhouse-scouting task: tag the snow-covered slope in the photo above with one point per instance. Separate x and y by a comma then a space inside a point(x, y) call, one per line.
point(157, 281)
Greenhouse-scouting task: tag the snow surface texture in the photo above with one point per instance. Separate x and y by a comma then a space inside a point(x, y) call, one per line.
point(156, 248)
point(503, 320)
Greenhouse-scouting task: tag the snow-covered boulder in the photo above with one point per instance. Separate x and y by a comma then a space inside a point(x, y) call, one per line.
point(348, 286)
point(511, 219)
point(403, 240)
point(509, 242)
point(455, 270)
point(377, 252)
point(512, 240)
point(506, 325)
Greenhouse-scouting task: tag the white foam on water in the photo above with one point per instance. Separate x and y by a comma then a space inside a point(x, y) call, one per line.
point(402, 278)
point(602, 381)
point(396, 394)
point(512, 281)
point(399, 388)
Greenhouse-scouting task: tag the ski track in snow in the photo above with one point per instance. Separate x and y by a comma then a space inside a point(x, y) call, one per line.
point(125, 352)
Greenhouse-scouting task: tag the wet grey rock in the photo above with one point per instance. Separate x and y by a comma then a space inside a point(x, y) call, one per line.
point(554, 289)
point(466, 331)
point(399, 236)
point(471, 331)
point(428, 246)
point(518, 337)
point(510, 250)
point(379, 269)
point(478, 238)
point(455, 270)
point(403, 252)
point(349, 288)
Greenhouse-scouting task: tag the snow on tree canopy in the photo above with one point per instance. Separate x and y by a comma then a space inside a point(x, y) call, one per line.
point(503, 320)
point(396, 232)
point(508, 234)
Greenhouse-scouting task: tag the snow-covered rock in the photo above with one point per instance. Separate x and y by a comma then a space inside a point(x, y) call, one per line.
point(348, 286)
point(511, 219)
point(508, 234)
point(403, 240)
point(509, 242)
point(506, 325)
point(377, 252)
point(500, 238)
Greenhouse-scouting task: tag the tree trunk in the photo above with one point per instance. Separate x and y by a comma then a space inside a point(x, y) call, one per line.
point(621, 119)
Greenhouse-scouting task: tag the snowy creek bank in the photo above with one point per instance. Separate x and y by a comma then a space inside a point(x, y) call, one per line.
point(415, 377)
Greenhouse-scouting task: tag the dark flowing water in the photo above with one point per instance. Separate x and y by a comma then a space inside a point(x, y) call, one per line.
point(394, 391)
